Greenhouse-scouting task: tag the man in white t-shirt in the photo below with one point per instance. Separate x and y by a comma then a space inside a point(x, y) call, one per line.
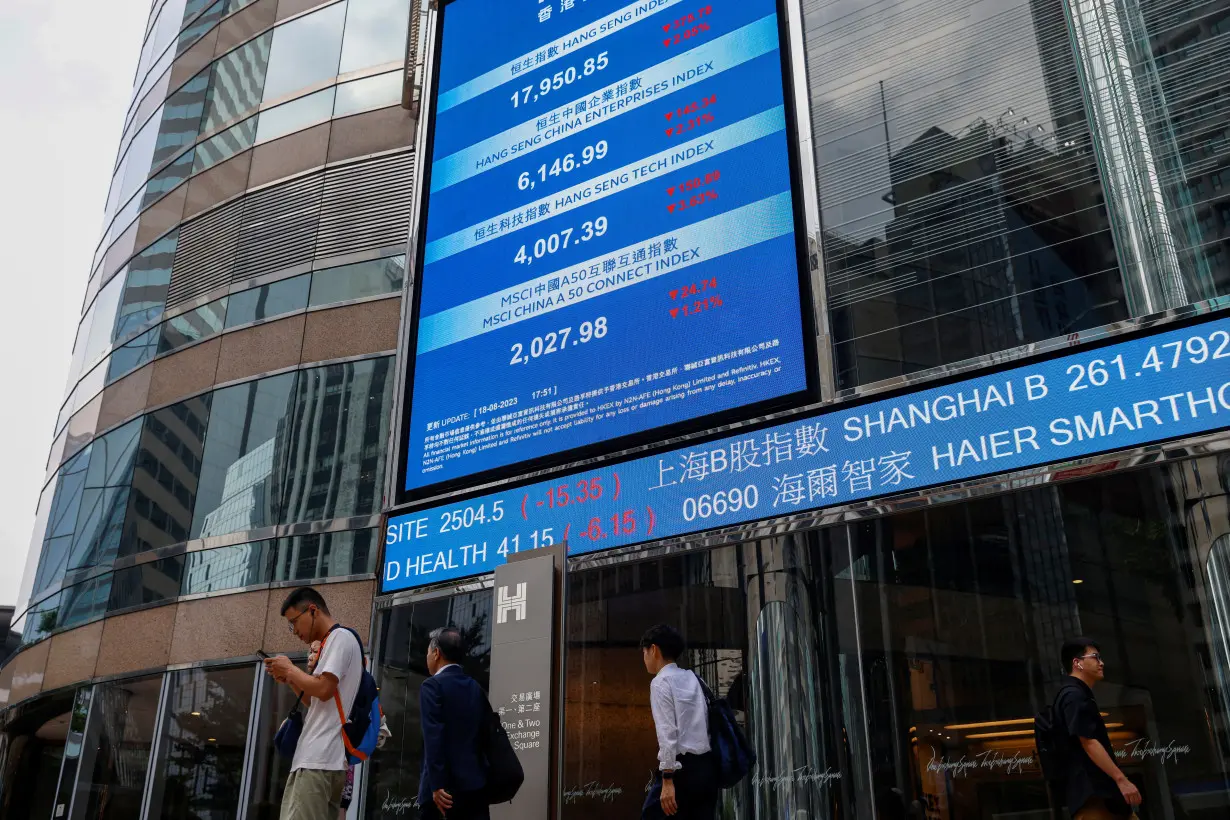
point(318, 771)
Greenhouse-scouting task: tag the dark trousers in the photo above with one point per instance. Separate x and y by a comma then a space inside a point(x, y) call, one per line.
point(471, 806)
point(696, 790)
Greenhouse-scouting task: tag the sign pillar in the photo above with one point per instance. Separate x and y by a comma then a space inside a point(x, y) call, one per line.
point(526, 675)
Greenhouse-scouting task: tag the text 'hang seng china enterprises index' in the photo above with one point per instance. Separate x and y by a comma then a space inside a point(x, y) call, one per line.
point(609, 242)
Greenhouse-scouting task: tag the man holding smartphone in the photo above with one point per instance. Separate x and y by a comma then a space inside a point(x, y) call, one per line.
point(318, 770)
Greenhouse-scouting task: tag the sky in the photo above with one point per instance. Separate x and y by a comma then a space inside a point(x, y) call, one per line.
point(66, 70)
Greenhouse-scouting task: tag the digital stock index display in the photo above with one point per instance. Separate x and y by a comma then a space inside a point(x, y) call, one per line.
point(608, 242)
point(1173, 383)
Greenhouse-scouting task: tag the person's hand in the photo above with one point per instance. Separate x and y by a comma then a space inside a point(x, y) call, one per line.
point(1129, 791)
point(279, 668)
point(313, 656)
point(669, 806)
point(443, 800)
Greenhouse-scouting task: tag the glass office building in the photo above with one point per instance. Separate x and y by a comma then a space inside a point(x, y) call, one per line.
point(993, 181)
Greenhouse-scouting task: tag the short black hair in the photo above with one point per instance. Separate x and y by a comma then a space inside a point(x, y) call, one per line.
point(302, 597)
point(448, 640)
point(666, 638)
point(1073, 648)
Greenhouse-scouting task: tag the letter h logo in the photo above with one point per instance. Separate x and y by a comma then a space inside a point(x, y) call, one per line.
point(505, 603)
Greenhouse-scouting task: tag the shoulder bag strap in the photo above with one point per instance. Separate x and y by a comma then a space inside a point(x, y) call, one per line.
point(709, 697)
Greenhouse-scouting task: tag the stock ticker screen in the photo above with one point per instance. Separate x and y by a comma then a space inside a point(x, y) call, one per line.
point(609, 242)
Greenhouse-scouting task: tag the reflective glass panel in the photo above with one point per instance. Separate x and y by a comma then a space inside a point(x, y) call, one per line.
point(41, 619)
point(238, 79)
point(226, 568)
point(200, 763)
point(104, 501)
point(961, 203)
point(225, 145)
point(147, 583)
point(170, 17)
point(192, 7)
point(94, 333)
point(181, 117)
point(72, 749)
point(704, 596)
point(267, 301)
point(375, 33)
point(123, 219)
point(393, 781)
point(62, 521)
point(145, 287)
point(270, 769)
point(368, 93)
point(155, 73)
point(201, 25)
point(84, 602)
point(168, 178)
point(305, 51)
point(164, 485)
point(138, 159)
point(35, 743)
point(246, 440)
point(357, 281)
point(336, 441)
point(1164, 129)
point(193, 326)
point(120, 736)
point(295, 115)
point(956, 616)
point(42, 517)
point(133, 354)
point(326, 555)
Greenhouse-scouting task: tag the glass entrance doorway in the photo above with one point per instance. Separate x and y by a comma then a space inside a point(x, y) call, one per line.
point(891, 668)
point(402, 635)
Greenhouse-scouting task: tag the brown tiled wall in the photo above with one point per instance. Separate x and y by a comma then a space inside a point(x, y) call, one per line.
point(223, 181)
point(185, 373)
point(28, 668)
point(350, 603)
point(368, 327)
point(289, 155)
point(260, 349)
point(73, 655)
point(138, 640)
point(225, 626)
point(381, 130)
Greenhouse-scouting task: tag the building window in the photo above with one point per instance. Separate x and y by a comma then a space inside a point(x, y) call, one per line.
point(201, 755)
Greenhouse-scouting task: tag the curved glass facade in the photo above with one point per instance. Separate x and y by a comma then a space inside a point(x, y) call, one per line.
point(193, 474)
point(222, 106)
point(303, 446)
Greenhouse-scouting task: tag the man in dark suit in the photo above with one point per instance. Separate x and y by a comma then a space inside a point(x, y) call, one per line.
point(453, 706)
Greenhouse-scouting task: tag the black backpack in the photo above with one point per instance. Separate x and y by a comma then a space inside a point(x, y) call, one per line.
point(504, 772)
point(734, 755)
point(1051, 740)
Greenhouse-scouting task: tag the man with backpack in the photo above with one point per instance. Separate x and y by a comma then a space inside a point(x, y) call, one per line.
point(454, 711)
point(318, 769)
point(1074, 745)
point(688, 773)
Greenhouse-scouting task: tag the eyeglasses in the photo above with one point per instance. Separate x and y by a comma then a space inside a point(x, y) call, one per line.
point(1096, 656)
point(291, 623)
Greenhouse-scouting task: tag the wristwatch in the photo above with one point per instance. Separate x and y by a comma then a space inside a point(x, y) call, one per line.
point(668, 774)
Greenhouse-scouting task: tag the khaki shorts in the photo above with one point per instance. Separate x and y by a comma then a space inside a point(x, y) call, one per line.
point(313, 794)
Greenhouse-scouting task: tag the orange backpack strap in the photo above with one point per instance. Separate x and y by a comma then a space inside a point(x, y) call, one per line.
point(341, 716)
